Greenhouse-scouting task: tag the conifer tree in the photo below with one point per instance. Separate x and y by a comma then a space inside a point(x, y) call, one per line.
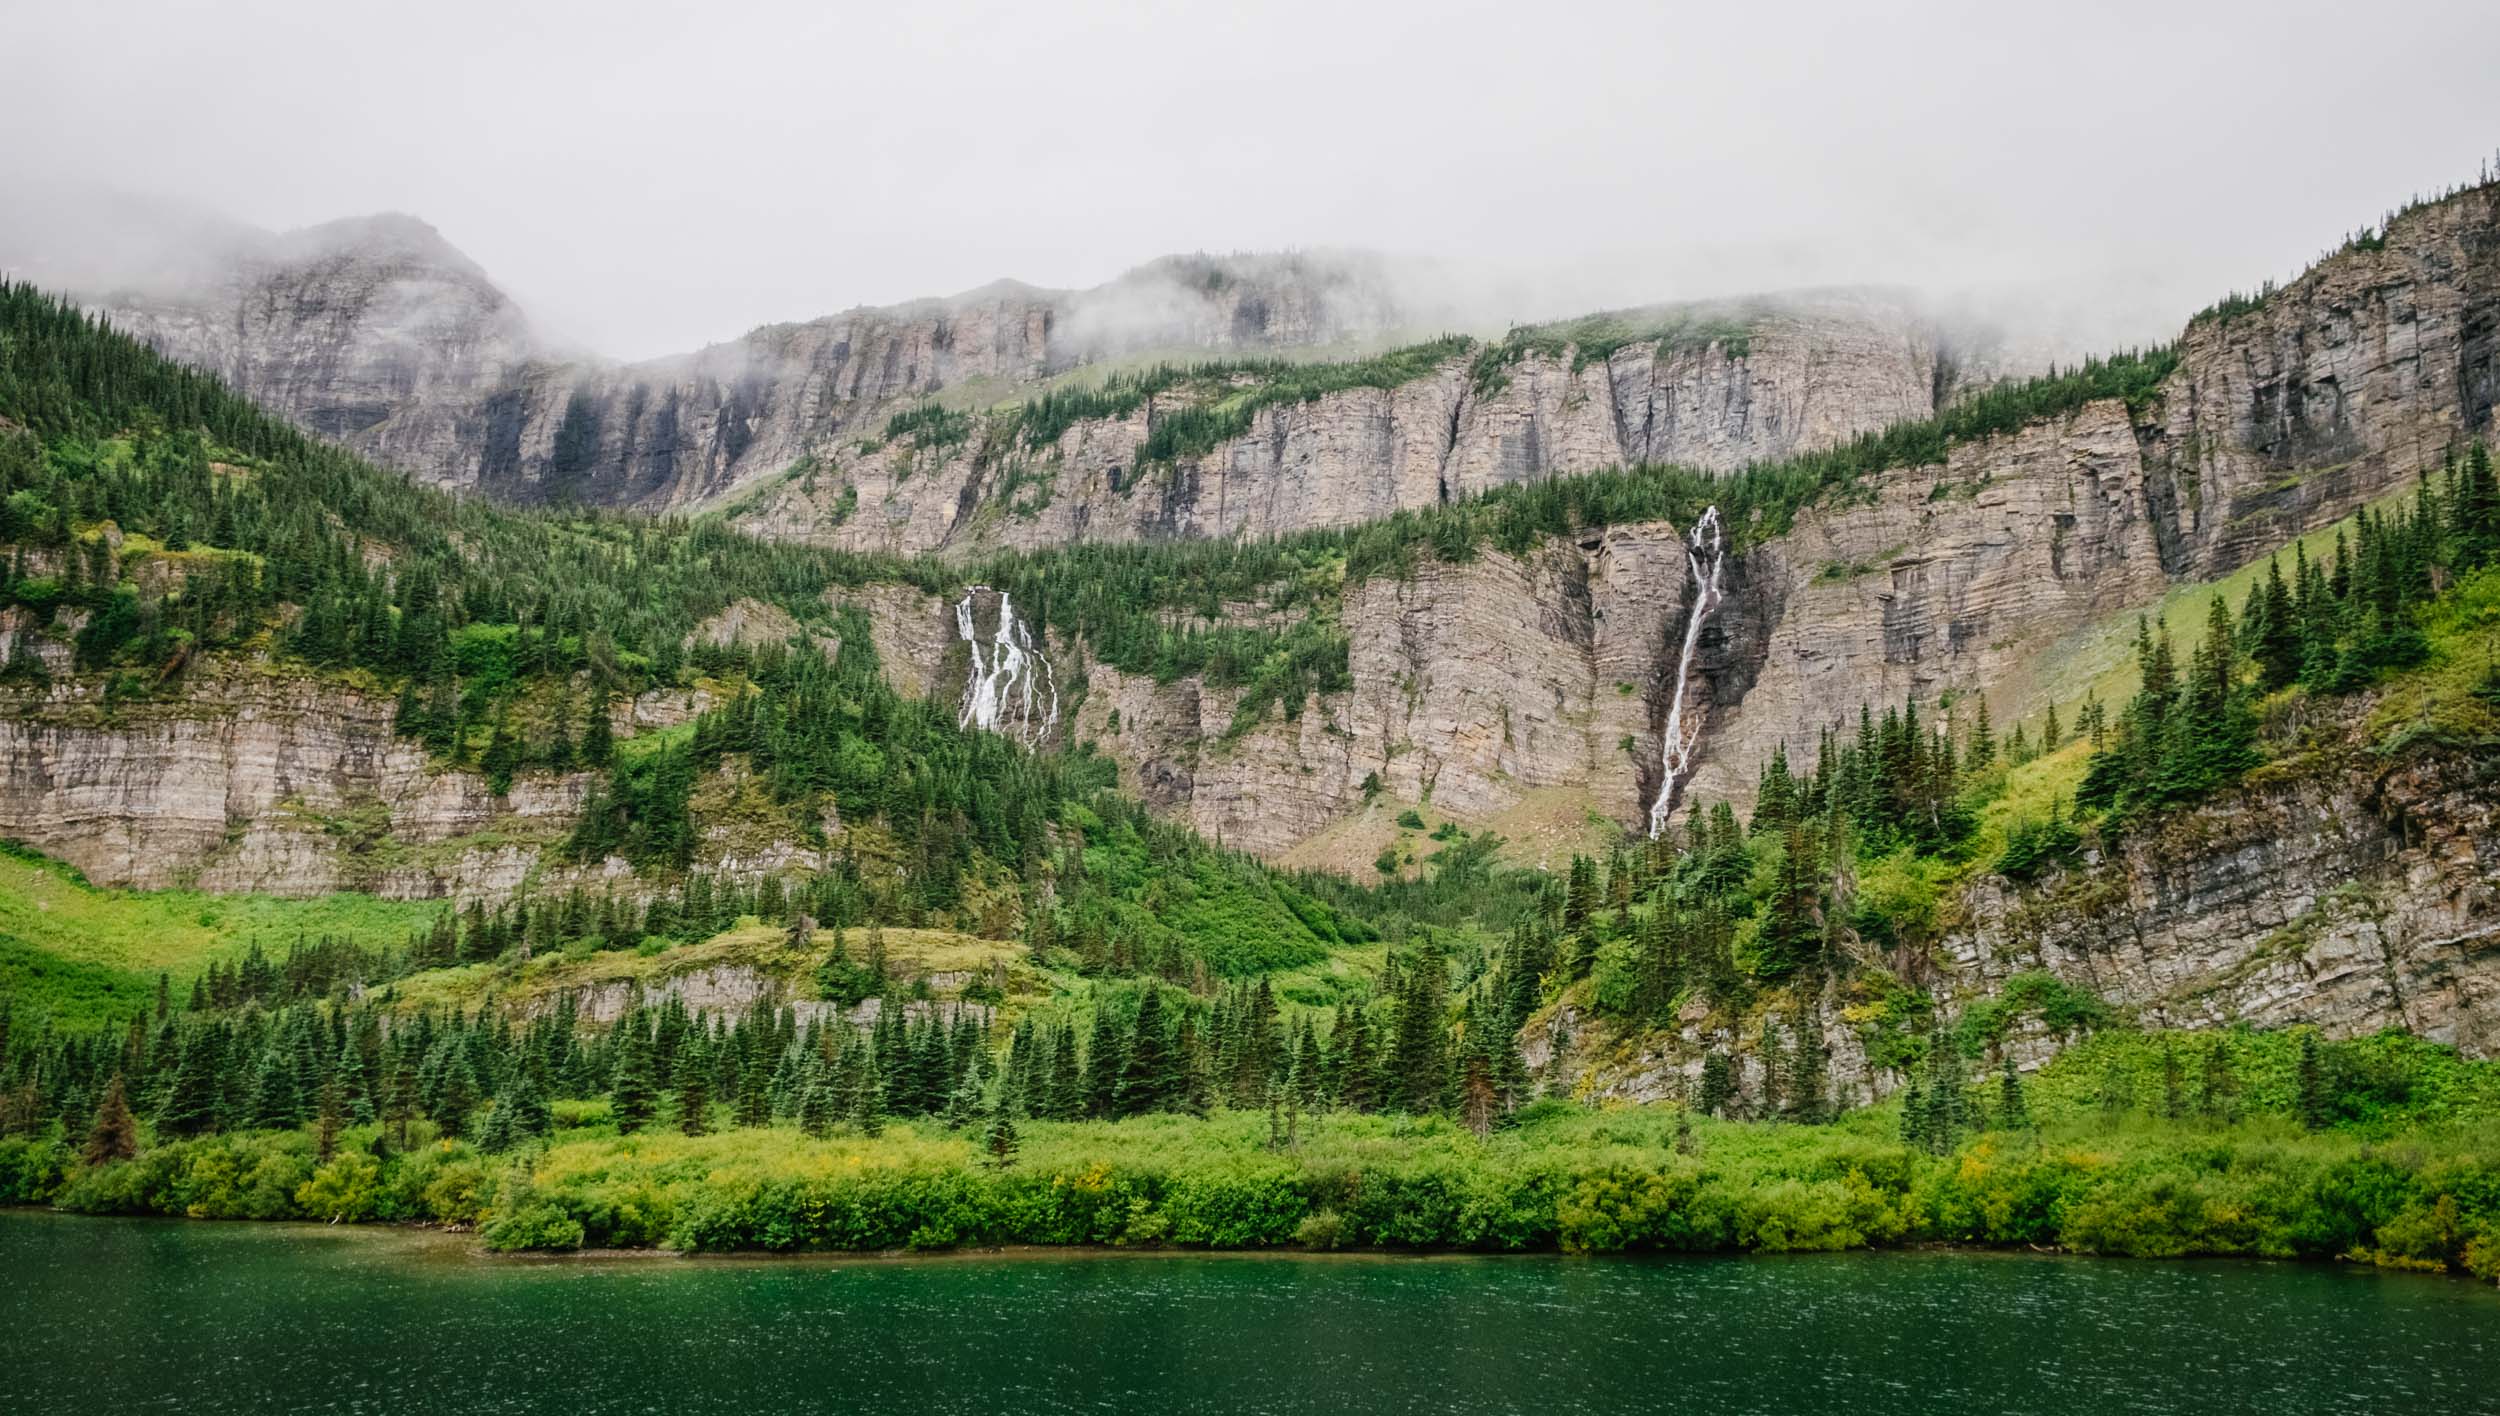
point(694, 1101)
point(634, 1089)
point(868, 1099)
point(999, 1141)
point(1806, 1100)
point(114, 1135)
point(1150, 1079)
point(2311, 1084)
point(2012, 1114)
point(1717, 1086)
point(331, 1120)
point(2476, 511)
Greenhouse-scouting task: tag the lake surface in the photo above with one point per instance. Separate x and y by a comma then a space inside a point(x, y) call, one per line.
point(136, 1315)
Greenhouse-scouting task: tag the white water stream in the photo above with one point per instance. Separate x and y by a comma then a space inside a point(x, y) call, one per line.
point(1705, 556)
point(1011, 688)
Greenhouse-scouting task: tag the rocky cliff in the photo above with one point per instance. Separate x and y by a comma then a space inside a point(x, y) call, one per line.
point(252, 778)
point(378, 334)
point(1714, 388)
point(2347, 381)
point(1488, 685)
point(2344, 887)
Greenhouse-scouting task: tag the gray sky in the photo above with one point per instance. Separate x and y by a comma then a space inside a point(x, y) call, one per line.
point(649, 177)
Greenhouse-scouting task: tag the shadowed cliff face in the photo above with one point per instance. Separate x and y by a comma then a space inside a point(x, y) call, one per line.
point(2357, 375)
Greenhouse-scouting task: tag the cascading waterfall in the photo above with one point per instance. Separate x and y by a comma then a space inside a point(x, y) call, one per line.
point(1011, 688)
point(1705, 556)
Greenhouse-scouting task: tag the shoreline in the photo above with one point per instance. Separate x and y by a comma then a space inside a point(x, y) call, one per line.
point(439, 1242)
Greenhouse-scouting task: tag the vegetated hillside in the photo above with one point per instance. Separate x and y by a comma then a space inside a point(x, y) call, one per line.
point(239, 658)
point(340, 680)
point(714, 869)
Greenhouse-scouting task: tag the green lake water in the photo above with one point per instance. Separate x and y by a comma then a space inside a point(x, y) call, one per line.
point(140, 1315)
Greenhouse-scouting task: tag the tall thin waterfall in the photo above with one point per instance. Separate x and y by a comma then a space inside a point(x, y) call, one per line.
point(1705, 556)
point(1011, 689)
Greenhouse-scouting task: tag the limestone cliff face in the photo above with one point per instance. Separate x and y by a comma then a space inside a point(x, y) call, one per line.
point(2343, 383)
point(378, 334)
point(1808, 373)
point(1947, 580)
point(2338, 890)
point(375, 333)
point(1474, 686)
point(254, 780)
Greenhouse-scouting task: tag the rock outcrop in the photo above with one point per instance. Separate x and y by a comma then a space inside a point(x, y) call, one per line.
point(253, 779)
point(2338, 889)
point(377, 334)
point(1795, 375)
point(2344, 383)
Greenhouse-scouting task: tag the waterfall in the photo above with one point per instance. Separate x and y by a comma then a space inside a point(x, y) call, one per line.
point(1705, 558)
point(1011, 688)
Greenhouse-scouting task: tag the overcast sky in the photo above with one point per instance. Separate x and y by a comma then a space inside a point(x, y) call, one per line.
point(649, 177)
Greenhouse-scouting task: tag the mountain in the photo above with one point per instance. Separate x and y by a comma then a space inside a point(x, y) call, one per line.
point(378, 334)
point(239, 659)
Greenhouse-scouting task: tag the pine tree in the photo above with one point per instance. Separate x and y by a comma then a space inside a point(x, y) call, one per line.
point(2012, 1114)
point(634, 1089)
point(598, 734)
point(2314, 1112)
point(2274, 629)
point(115, 1132)
point(1150, 1079)
point(2476, 510)
point(1717, 1085)
point(868, 1100)
point(1103, 1064)
point(1983, 744)
point(192, 1105)
point(1806, 1100)
point(332, 1120)
point(819, 1108)
point(694, 1102)
point(1914, 1112)
point(1000, 1139)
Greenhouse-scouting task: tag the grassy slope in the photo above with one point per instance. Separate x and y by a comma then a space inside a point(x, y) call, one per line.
point(90, 955)
point(762, 948)
point(2099, 660)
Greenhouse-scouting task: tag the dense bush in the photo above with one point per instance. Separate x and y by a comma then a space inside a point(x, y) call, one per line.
point(1579, 1181)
